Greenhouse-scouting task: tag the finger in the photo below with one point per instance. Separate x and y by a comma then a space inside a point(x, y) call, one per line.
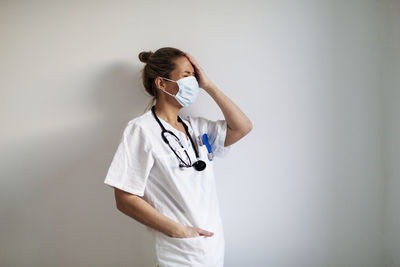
point(206, 233)
point(188, 56)
point(193, 61)
point(191, 58)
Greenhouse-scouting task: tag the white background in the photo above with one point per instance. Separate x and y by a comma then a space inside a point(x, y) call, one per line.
point(316, 182)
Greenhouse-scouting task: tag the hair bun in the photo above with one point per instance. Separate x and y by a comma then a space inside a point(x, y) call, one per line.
point(144, 56)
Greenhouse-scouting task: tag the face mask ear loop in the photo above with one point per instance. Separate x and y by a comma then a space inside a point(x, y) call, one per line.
point(166, 91)
point(168, 79)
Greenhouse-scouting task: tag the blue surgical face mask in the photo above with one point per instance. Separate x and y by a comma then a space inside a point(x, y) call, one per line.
point(188, 90)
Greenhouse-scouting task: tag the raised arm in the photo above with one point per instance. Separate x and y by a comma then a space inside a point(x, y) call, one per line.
point(238, 123)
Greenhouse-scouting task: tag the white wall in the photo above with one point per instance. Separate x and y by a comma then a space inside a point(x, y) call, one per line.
point(304, 188)
point(391, 108)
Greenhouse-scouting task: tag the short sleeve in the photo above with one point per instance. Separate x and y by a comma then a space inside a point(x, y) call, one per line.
point(216, 133)
point(132, 162)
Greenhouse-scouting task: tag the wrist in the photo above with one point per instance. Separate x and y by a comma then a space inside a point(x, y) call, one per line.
point(210, 88)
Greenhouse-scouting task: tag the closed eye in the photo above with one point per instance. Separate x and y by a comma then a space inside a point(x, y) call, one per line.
point(193, 74)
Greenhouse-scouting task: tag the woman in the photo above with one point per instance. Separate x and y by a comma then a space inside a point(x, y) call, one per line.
point(162, 171)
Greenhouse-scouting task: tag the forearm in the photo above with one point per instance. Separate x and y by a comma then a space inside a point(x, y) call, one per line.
point(234, 116)
point(140, 210)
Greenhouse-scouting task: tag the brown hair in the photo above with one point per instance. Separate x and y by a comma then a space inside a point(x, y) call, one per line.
point(159, 63)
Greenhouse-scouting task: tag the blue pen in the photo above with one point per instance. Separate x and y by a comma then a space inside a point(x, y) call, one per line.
point(204, 141)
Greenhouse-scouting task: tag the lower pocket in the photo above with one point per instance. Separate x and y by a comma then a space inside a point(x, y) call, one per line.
point(189, 246)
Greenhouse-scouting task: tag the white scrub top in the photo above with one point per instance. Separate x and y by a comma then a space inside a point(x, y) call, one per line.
point(145, 165)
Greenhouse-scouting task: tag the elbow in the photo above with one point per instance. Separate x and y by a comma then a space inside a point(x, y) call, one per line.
point(248, 128)
point(245, 130)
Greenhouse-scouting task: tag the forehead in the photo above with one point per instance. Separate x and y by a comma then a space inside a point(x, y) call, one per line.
point(183, 65)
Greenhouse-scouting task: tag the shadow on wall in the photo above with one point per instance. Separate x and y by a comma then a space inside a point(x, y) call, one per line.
point(58, 211)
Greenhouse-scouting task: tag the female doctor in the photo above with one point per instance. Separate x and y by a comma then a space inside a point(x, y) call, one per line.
point(162, 172)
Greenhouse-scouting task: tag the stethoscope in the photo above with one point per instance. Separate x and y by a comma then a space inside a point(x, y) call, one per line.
point(199, 165)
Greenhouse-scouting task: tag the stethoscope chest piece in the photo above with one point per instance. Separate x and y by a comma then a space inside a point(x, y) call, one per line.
point(199, 165)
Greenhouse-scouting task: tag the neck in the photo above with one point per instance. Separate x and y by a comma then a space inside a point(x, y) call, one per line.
point(167, 112)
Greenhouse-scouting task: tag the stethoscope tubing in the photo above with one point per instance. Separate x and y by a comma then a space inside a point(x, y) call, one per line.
point(199, 164)
point(163, 132)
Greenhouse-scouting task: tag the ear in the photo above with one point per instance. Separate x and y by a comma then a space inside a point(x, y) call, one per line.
point(160, 83)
